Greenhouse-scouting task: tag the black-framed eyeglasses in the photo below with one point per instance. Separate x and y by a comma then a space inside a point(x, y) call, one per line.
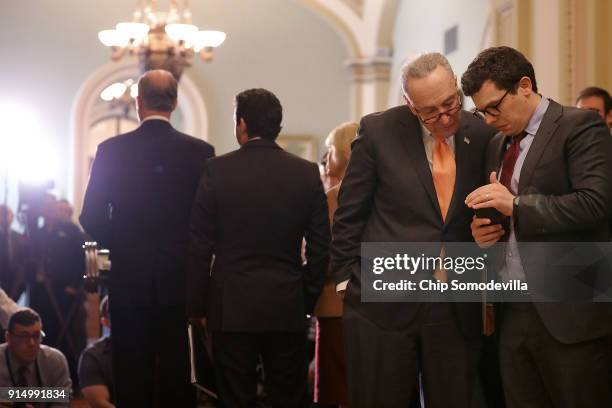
point(449, 112)
point(24, 337)
point(492, 110)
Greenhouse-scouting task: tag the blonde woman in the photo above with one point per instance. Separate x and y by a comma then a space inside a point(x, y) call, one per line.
point(330, 365)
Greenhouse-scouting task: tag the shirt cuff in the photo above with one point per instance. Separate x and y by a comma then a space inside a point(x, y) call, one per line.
point(342, 286)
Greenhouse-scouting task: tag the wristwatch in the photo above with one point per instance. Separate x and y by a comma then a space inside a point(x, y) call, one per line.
point(515, 203)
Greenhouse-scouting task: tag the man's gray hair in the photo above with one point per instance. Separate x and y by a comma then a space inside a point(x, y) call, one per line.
point(158, 90)
point(421, 66)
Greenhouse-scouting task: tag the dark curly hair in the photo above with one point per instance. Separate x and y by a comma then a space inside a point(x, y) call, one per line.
point(262, 112)
point(504, 66)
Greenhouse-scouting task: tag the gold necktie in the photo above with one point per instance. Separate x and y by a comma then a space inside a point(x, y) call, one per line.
point(444, 172)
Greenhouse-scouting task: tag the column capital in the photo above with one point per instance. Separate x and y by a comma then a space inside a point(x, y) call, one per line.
point(370, 69)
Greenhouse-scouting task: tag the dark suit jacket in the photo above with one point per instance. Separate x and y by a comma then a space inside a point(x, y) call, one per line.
point(138, 203)
point(60, 250)
point(253, 208)
point(388, 195)
point(565, 195)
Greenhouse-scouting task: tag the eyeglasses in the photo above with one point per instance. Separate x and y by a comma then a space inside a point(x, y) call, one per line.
point(25, 337)
point(449, 112)
point(494, 110)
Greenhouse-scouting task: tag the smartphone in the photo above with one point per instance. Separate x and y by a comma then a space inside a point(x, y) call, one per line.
point(495, 216)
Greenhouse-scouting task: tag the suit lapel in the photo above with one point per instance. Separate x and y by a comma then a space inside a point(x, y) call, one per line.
point(462, 160)
point(411, 135)
point(547, 128)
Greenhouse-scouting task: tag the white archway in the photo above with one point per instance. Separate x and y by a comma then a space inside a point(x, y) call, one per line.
point(367, 28)
point(190, 100)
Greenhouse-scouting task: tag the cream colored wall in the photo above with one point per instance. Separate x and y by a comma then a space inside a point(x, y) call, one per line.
point(50, 47)
point(566, 40)
point(420, 28)
point(367, 27)
point(592, 53)
point(547, 47)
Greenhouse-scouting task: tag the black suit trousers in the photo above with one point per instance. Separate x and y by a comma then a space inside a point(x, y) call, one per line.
point(150, 357)
point(538, 371)
point(384, 364)
point(285, 368)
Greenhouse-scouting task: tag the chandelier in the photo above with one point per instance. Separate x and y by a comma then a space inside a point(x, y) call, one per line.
point(162, 40)
point(121, 95)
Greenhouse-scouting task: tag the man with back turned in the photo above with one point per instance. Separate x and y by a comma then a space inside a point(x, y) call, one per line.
point(137, 205)
point(253, 209)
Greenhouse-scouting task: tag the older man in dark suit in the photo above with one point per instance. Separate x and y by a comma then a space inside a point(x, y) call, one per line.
point(410, 171)
point(253, 209)
point(549, 171)
point(137, 204)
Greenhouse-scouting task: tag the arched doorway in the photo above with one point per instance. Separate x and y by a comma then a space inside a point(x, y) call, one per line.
point(93, 121)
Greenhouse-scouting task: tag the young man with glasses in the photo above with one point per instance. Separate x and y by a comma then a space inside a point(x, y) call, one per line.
point(549, 171)
point(25, 362)
point(410, 170)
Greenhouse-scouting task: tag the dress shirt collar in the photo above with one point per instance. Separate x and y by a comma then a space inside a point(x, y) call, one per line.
point(252, 138)
point(155, 117)
point(430, 142)
point(536, 119)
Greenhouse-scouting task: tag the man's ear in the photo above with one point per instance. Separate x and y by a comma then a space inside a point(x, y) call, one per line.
point(242, 125)
point(525, 87)
point(410, 106)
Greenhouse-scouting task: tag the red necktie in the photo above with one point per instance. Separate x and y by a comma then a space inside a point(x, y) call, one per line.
point(509, 161)
point(510, 157)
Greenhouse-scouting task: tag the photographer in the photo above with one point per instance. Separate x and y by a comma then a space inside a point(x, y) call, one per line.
point(55, 282)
